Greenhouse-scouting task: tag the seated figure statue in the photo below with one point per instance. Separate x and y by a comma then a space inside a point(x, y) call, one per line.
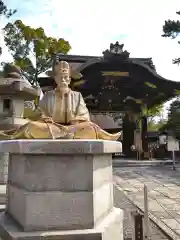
point(62, 113)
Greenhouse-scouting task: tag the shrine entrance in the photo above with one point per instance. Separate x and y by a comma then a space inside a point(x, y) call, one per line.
point(118, 90)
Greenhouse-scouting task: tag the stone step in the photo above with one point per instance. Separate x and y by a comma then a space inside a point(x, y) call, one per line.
point(140, 163)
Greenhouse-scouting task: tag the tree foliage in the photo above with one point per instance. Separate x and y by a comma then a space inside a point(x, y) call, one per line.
point(31, 48)
point(156, 125)
point(173, 122)
point(5, 11)
point(155, 111)
point(171, 29)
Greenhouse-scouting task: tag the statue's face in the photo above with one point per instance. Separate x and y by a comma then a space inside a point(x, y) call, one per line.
point(62, 77)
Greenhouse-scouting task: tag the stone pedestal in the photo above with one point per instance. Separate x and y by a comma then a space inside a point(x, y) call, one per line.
point(62, 186)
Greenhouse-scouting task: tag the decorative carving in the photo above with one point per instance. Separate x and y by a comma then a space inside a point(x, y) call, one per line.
point(116, 50)
point(115, 74)
point(108, 93)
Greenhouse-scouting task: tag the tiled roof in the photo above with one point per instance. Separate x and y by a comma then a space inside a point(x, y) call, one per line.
point(82, 59)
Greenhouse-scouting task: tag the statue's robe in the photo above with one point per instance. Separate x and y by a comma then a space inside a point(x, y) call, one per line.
point(64, 108)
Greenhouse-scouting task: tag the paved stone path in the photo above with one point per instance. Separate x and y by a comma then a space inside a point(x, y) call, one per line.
point(163, 193)
point(124, 203)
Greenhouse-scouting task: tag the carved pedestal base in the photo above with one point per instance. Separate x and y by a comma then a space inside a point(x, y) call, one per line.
point(61, 188)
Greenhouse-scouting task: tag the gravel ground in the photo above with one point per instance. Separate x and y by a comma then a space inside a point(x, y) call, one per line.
point(124, 203)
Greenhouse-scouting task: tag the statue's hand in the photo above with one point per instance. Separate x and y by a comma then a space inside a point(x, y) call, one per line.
point(46, 119)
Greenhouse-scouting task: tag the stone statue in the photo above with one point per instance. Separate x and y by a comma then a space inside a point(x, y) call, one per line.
point(62, 113)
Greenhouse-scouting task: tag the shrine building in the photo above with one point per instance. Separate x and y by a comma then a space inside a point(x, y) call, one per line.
point(118, 90)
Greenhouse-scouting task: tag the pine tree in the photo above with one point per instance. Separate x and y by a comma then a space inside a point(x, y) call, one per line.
point(171, 29)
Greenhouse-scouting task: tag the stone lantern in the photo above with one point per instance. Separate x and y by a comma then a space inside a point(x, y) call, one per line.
point(14, 91)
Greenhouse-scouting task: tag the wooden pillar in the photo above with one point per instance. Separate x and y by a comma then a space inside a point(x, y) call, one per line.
point(144, 137)
point(128, 136)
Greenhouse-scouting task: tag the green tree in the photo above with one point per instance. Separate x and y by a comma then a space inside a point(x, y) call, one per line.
point(156, 125)
point(151, 113)
point(171, 29)
point(155, 111)
point(32, 49)
point(5, 11)
point(173, 122)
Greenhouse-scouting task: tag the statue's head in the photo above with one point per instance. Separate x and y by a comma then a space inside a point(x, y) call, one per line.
point(61, 74)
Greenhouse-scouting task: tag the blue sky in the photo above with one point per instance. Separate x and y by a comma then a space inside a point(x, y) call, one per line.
point(91, 25)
